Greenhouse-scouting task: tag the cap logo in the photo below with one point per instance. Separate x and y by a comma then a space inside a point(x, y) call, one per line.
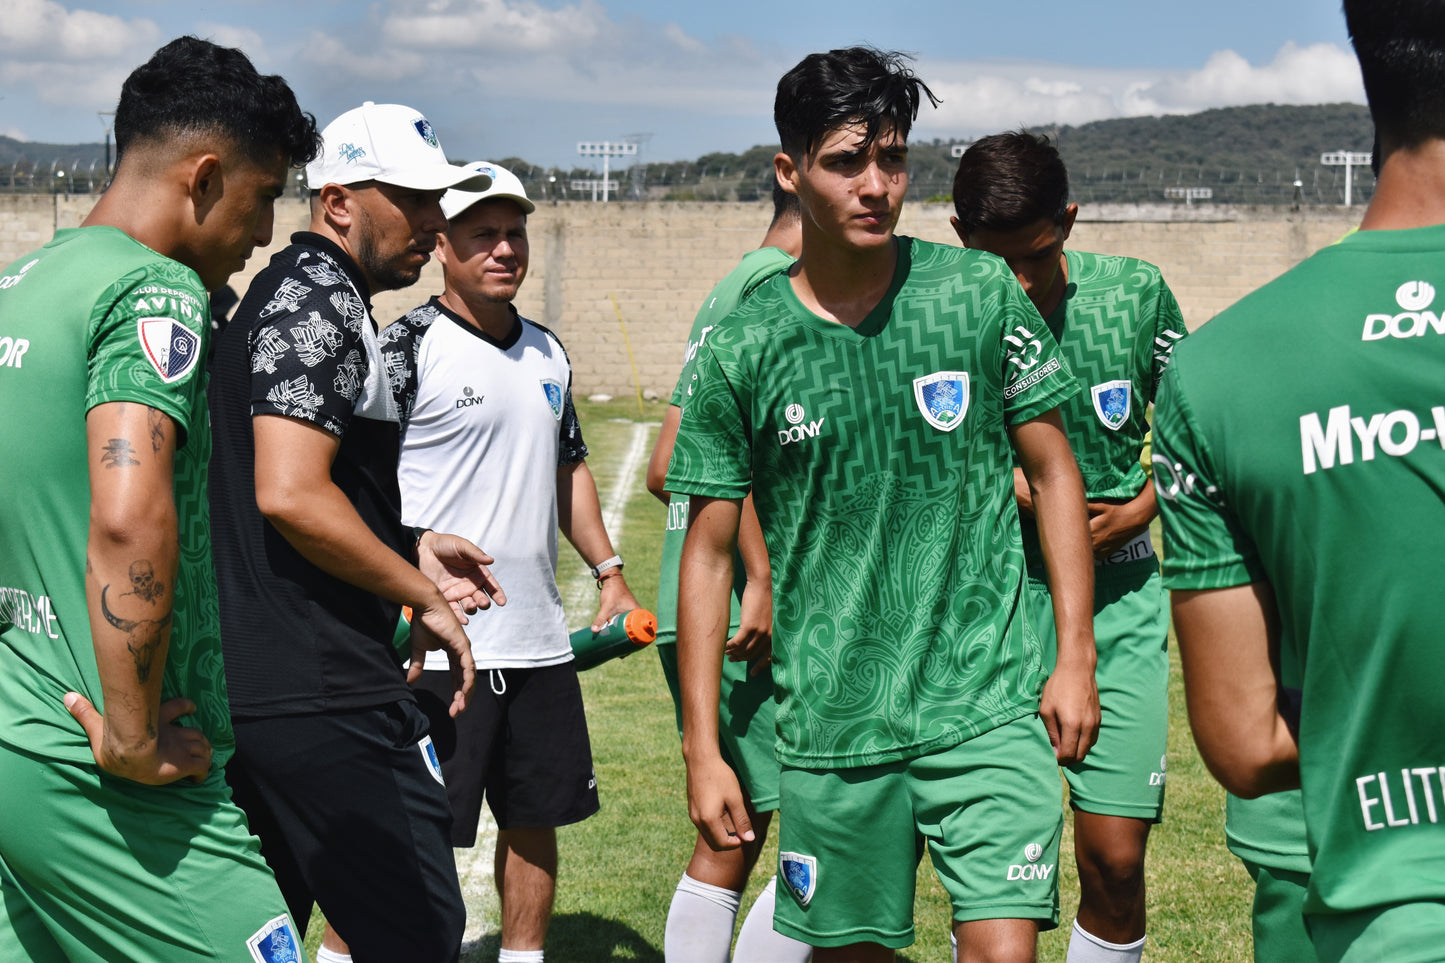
point(350, 152)
point(423, 127)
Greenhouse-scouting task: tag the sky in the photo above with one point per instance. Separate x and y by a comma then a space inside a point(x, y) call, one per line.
point(531, 78)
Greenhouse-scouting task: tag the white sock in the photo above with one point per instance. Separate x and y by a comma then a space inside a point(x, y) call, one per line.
point(517, 956)
point(953, 942)
point(1085, 947)
point(700, 923)
point(324, 955)
point(758, 942)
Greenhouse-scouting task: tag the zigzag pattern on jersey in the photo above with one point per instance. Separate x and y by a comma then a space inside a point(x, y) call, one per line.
point(895, 544)
point(1112, 321)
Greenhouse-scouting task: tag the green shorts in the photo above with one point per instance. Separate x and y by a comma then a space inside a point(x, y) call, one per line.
point(990, 810)
point(1278, 916)
point(1123, 774)
point(747, 732)
point(95, 868)
point(1402, 933)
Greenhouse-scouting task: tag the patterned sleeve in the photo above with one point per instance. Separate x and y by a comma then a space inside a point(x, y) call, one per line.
point(572, 448)
point(308, 357)
point(712, 455)
point(1169, 330)
point(401, 343)
point(1035, 377)
point(148, 347)
point(1205, 546)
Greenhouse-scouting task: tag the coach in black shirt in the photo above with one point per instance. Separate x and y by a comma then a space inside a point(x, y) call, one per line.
point(333, 764)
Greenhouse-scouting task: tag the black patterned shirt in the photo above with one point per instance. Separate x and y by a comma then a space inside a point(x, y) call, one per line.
point(303, 345)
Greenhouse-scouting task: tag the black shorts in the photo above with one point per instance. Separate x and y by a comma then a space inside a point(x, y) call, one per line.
point(351, 813)
point(522, 742)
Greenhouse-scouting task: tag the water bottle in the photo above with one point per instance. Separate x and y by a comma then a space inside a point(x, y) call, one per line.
point(623, 634)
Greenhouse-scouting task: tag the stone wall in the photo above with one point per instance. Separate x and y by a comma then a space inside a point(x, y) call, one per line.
point(609, 277)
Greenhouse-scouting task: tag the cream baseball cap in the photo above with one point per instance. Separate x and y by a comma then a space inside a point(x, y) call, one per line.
point(388, 143)
point(504, 184)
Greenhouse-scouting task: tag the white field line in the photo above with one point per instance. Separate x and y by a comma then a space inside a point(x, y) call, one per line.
point(579, 595)
point(474, 866)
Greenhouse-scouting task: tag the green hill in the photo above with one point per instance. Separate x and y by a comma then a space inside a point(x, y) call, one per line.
point(1243, 155)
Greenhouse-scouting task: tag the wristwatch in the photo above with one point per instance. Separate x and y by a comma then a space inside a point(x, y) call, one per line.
point(607, 563)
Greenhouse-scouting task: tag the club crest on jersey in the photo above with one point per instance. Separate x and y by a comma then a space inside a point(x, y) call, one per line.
point(1111, 403)
point(553, 391)
point(943, 398)
point(801, 874)
point(423, 127)
point(170, 347)
point(433, 764)
point(277, 942)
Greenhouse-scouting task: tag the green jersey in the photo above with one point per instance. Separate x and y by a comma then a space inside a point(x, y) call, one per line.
point(96, 317)
point(1116, 328)
point(755, 267)
point(879, 462)
point(1298, 441)
point(1269, 830)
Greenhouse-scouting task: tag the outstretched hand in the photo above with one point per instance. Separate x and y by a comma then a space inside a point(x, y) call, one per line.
point(459, 569)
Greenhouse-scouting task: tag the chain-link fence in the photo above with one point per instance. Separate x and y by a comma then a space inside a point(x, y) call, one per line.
point(685, 181)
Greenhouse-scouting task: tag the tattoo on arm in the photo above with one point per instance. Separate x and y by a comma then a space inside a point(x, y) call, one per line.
point(157, 421)
point(143, 636)
point(119, 454)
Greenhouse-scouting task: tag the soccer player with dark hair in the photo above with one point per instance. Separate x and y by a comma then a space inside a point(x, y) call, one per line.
point(1297, 453)
point(118, 837)
point(704, 906)
point(334, 765)
point(1116, 323)
point(869, 399)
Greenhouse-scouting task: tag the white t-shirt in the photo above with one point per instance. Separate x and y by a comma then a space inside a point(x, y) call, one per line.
point(485, 425)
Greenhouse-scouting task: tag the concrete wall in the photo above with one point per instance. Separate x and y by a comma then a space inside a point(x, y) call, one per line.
point(653, 263)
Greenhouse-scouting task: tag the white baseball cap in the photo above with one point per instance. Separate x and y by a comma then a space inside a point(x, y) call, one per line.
point(388, 143)
point(503, 184)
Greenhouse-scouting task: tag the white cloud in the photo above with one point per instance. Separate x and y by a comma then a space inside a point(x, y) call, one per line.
point(46, 30)
point(95, 86)
point(228, 35)
point(1317, 74)
point(683, 40)
point(492, 25)
point(980, 97)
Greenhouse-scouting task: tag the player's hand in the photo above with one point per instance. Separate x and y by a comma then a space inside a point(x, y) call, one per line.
point(1070, 712)
point(1023, 494)
point(177, 752)
point(459, 570)
point(754, 639)
point(715, 803)
point(1112, 525)
point(616, 597)
point(435, 627)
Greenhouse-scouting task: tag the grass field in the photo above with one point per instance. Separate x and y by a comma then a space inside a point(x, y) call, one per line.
point(619, 868)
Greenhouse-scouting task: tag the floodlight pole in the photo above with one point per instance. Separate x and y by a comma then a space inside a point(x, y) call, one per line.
point(1348, 159)
point(606, 150)
point(107, 120)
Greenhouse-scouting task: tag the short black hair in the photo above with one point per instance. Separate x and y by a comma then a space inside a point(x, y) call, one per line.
point(1401, 48)
point(1008, 181)
point(192, 86)
point(785, 204)
point(854, 85)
